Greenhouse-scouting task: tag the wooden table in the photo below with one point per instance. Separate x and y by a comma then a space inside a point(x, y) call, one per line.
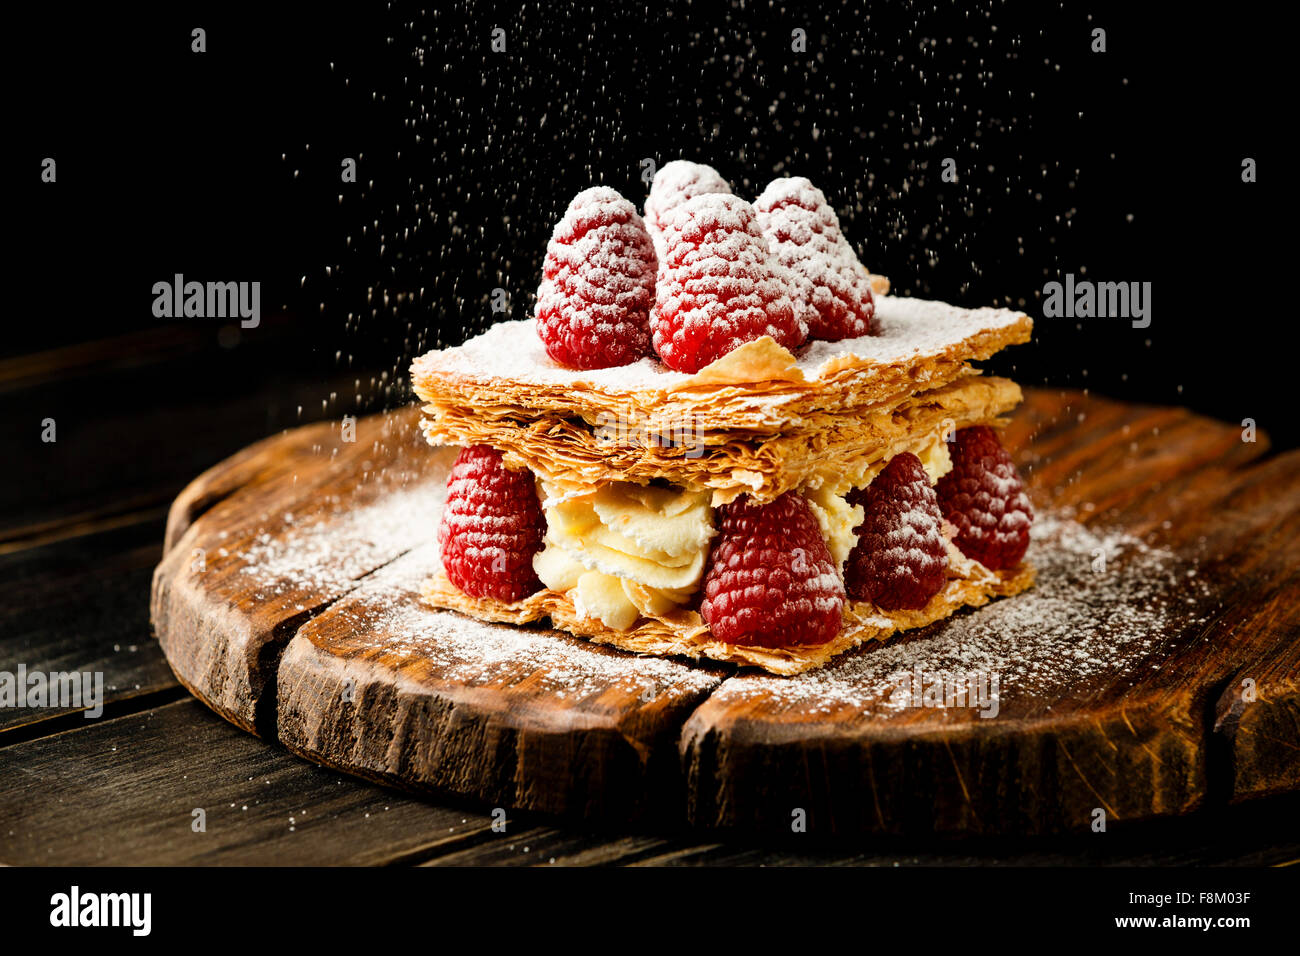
point(82, 529)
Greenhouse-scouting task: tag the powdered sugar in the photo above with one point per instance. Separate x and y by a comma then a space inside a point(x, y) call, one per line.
point(1103, 602)
point(677, 182)
point(386, 614)
point(331, 551)
point(830, 289)
point(909, 328)
point(720, 216)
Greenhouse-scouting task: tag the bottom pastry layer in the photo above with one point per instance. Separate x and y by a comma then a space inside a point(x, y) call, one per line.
point(684, 632)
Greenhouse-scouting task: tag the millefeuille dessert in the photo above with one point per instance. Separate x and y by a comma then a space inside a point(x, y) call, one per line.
point(720, 437)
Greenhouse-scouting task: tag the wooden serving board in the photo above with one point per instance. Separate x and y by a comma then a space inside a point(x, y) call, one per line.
point(1154, 670)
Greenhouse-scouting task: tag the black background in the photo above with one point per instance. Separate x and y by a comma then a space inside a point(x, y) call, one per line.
point(225, 165)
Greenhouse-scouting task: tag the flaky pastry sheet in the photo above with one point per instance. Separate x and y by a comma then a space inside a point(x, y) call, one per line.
point(821, 448)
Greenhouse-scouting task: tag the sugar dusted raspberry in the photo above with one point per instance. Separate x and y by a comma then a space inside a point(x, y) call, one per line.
point(984, 498)
point(677, 182)
point(597, 284)
point(830, 289)
point(718, 288)
point(901, 559)
point(771, 580)
point(492, 525)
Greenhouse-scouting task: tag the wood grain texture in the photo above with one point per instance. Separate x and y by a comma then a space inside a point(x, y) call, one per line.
point(123, 792)
point(355, 675)
point(80, 609)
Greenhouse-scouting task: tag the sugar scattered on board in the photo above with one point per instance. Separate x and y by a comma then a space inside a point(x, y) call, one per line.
point(331, 551)
point(389, 617)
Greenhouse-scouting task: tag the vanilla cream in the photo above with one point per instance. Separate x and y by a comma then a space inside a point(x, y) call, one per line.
point(838, 519)
point(624, 549)
point(935, 458)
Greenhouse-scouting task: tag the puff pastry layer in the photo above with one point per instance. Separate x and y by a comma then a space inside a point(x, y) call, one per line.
point(834, 448)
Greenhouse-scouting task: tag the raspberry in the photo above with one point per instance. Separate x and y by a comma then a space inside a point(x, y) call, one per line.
point(985, 500)
point(718, 287)
point(771, 580)
point(492, 525)
point(598, 284)
point(830, 289)
point(677, 182)
point(900, 560)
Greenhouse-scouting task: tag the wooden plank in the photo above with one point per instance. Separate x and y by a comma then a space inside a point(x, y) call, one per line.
point(111, 427)
point(548, 846)
point(123, 792)
point(64, 802)
point(80, 607)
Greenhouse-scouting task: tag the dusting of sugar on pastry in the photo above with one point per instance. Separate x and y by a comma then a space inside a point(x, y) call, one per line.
point(511, 351)
point(908, 327)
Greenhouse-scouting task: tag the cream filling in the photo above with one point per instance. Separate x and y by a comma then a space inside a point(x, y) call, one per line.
point(625, 550)
point(935, 457)
point(837, 518)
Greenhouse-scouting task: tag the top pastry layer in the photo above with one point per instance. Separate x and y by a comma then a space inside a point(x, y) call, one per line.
point(759, 388)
